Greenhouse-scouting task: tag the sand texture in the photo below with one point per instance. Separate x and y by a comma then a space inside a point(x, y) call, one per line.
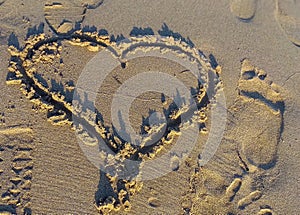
point(149, 107)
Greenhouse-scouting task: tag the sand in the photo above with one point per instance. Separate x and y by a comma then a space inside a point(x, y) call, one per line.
point(60, 154)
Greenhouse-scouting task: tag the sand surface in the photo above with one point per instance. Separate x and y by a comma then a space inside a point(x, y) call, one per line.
point(71, 69)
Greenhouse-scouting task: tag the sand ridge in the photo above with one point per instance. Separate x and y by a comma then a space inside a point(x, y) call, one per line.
point(23, 70)
point(252, 86)
point(243, 169)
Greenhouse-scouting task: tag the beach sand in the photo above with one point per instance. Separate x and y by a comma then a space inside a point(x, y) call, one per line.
point(51, 139)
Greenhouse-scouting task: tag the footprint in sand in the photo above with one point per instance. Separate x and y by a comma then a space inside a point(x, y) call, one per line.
point(45, 70)
point(16, 164)
point(248, 148)
point(243, 9)
point(260, 94)
point(288, 17)
point(65, 16)
point(243, 166)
